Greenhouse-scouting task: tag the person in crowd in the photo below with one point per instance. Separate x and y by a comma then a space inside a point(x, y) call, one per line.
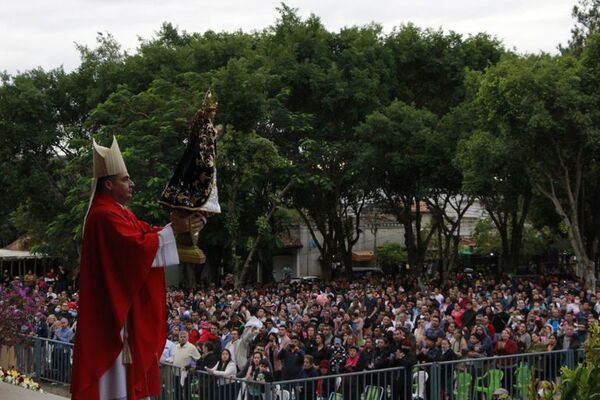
point(523, 338)
point(320, 351)
point(30, 279)
point(184, 358)
point(292, 359)
point(506, 345)
point(193, 334)
point(376, 317)
point(260, 376)
point(307, 389)
point(468, 316)
point(352, 363)
point(225, 369)
point(338, 356)
point(325, 386)
point(446, 354)
point(64, 333)
point(271, 353)
point(458, 343)
point(568, 340)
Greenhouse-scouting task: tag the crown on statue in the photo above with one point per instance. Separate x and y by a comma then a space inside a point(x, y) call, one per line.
point(209, 103)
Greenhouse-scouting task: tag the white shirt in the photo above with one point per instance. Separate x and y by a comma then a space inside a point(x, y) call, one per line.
point(184, 355)
point(167, 354)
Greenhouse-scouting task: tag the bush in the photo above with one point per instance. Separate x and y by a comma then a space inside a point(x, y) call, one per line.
point(18, 309)
point(584, 381)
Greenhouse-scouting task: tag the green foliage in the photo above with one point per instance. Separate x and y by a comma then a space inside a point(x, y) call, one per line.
point(353, 118)
point(587, 16)
point(582, 382)
point(391, 254)
point(486, 237)
point(535, 240)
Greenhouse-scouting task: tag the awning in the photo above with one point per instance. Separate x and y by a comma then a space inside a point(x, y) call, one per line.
point(362, 256)
point(6, 254)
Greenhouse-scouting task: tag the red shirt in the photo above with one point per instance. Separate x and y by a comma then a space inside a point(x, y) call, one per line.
point(193, 336)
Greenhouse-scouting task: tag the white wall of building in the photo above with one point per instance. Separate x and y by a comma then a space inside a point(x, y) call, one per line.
point(306, 259)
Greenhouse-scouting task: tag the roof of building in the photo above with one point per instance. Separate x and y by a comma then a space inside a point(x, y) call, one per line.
point(7, 254)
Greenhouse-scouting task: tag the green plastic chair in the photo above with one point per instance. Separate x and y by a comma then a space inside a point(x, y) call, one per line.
point(523, 381)
point(373, 393)
point(494, 379)
point(335, 396)
point(462, 385)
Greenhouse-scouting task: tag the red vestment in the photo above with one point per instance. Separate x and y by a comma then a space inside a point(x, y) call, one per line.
point(118, 284)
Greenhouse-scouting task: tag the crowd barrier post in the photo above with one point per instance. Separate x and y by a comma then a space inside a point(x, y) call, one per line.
point(435, 381)
point(37, 357)
point(570, 359)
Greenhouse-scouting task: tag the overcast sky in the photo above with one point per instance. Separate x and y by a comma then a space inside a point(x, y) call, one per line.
point(43, 32)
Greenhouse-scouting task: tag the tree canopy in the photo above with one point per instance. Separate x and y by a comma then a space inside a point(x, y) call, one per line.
point(342, 120)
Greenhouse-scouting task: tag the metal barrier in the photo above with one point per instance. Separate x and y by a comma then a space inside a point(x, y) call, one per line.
point(464, 379)
point(45, 359)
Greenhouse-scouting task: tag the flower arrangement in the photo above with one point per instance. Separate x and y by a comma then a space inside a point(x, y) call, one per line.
point(14, 377)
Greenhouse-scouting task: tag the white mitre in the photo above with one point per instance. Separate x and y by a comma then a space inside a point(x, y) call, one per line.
point(108, 161)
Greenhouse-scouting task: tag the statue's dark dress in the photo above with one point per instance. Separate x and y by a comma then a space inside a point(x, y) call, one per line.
point(195, 176)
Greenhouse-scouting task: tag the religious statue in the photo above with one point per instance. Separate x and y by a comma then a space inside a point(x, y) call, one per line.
point(193, 187)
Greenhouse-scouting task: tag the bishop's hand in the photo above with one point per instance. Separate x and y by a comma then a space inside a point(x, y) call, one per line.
point(189, 223)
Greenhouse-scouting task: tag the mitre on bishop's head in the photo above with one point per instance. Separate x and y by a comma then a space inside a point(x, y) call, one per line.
point(107, 161)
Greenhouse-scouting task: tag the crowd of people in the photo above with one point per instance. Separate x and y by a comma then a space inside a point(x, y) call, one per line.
point(286, 331)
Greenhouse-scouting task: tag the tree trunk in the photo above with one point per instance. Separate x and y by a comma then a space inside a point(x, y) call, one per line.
point(586, 268)
point(246, 269)
point(510, 227)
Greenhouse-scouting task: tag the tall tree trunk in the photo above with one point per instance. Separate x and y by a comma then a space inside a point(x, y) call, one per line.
point(448, 226)
point(510, 226)
point(586, 269)
point(328, 246)
point(246, 269)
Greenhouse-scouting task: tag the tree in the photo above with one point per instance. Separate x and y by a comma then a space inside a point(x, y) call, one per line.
point(34, 118)
point(390, 255)
point(325, 84)
point(494, 171)
point(19, 311)
point(587, 17)
point(545, 103)
point(396, 154)
point(447, 200)
point(250, 168)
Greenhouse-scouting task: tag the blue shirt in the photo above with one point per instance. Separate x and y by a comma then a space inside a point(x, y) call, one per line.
point(63, 334)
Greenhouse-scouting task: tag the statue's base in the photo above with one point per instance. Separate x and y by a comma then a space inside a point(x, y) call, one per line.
point(190, 254)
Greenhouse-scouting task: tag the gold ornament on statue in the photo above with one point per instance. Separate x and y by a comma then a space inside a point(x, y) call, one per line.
point(193, 187)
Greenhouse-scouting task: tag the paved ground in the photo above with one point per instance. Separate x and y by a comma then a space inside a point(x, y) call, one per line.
point(12, 392)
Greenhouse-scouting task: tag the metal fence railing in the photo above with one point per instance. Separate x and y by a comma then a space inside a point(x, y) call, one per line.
point(46, 359)
point(464, 379)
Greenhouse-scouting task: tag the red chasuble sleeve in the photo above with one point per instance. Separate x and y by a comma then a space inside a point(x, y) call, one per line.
point(118, 283)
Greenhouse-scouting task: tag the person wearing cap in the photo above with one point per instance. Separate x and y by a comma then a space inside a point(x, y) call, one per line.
point(118, 345)
point(325, 386)
point(338, 356)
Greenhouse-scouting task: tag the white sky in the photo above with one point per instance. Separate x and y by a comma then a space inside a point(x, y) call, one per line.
point(43, 32)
